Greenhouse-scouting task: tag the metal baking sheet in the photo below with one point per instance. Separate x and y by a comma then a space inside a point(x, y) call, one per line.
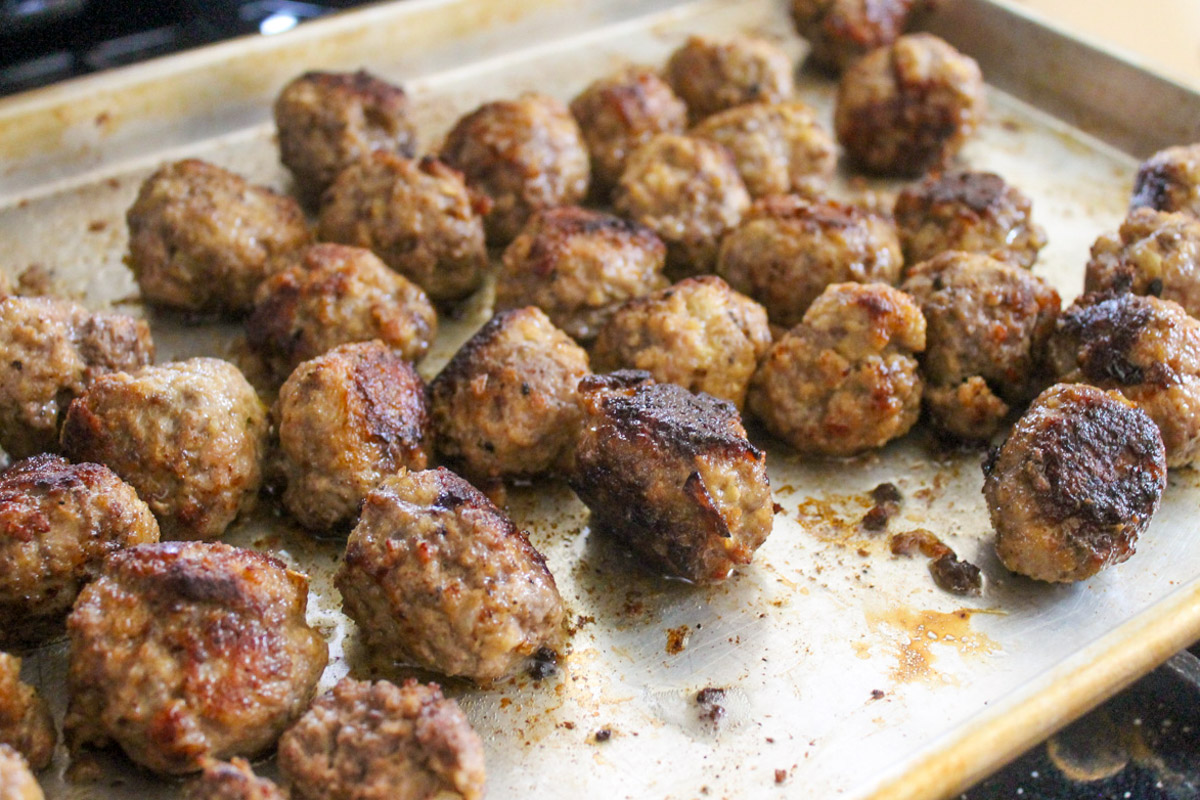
point(845, 672)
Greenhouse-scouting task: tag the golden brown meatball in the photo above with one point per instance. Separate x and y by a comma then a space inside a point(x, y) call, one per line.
point(379, 741)
point(698, 333)
point(845, 379)
point(688, 191)
point(842, 31)
point(435, 575)
point(346, 420)
point(908, 108)
point(234, 780)
point(972, 211)
point(506, 404)
point(525, 154)
point(202, 239)
point(1169, 181)
point(16, 781)
point(188, 436)
point(1155, 253)
point(50, 352)
point(418, 216)
point(788, 250)
point(25, 721)
point(187, 651)
point(712, 75)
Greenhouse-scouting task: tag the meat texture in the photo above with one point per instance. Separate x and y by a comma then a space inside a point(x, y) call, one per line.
point(712, 75)
point(16, 781)
point(842, 31)
point(1155, 253)
point(25, 721)
point(233, 780)
point(1169, 181)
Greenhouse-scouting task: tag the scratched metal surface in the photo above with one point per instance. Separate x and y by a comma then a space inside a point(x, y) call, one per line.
point(845, 671)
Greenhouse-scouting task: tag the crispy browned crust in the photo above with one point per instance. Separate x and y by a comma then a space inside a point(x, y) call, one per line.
point(234, 780)
point(25, 721)
point(842, 31)
point(1169, 181)
point(711, 75)
point(1107, 329)
point(1154, 253)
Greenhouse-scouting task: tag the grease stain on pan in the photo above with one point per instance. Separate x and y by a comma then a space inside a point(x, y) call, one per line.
point(914, 634)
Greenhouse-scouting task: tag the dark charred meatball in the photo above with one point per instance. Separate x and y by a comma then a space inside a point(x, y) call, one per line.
point(329, 120)
point(346, 420)
point(16, 781)
point(689, 192)
point(845, 379)
point(671, 475)
point(506, 404)
point(788, 250)
point(437, 576)
point(908, 108)
point(1155, 253)
point(50, 352)
point(25, 721)
point(234, 780)
point(1169, 181)
point(698, 333)
point(202, 239)
point(1075, 484)
point(188, 436)
point(972, 211)
point(418, 216)
point(712, 75)
point(183, 652)
point(842, 31)
point(379, 741)
point(525, 154)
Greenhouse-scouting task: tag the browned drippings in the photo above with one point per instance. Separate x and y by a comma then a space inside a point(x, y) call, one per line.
point(920, 630)
point(677, 639)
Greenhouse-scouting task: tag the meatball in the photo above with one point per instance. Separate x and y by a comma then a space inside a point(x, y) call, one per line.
point(788, 250)
point(698, 333)
point(525, 154)
point(908, 108)
point(1169, 181)
point(329, 120)
point(1156, 253)
point(50, 352)
point(712, 75)
point(842, 31)
point(972, 211)
point(16, 781)
point(671, 475)
point(346, 420)
point(1075, 484)
point(988, 324)
point(379, 741)
point(202, 239)
point(188, 436)
point(232, 781)
point(506, 404)
point(418, 216)
point(620, 113)
point(845, 379)
point(437, 576)
point(187, 651)
point(25, 722)
point(689, 192)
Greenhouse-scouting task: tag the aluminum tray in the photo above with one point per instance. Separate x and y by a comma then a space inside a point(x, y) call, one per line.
point(804, 641)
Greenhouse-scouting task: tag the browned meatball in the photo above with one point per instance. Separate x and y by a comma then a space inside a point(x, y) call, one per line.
point(437, 576)
point(525, 154)
point(908, 108)
point(688, 191)
point(418, 216)
point(842, 31)
point(50, 352)
point(379, 741)
point(988, 323)
point(58, 522)
point(232, 781)
point(202, 239)
point(789, 249)
point(712, 75)
point(1169, 181)
point(506, 404)
point(698, 333)
point(1075, 484)
point(187, 651)
point(620, 113)
point(329, 120)
point(346, 420)
point(845, 379)
point(25, 721)
point(671, 475)
point(188, 436)
point(972, 211)
point(1156, 253)
point(16, 781)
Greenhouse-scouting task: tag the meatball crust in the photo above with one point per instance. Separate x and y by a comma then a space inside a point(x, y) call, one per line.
point(712, 75)
point(1075, 484)
point(183, 652)
point(419, 217)
point(976, 212)
point(233, 780)
point(506, 404)
point(1155, 253)
point(842, 31)
point(689, 192)
point(845, 379)
point(202, 239)
point(1169, 181)
point(579, 266)
point(188, 436)
point(25, 721)
point(525, 154)
point(437, 576)
point(672, 476)
point(698, 333)
point(379, 741)
point(345, 421)
point(50, 352)
point(789, 249)
point(908, 108)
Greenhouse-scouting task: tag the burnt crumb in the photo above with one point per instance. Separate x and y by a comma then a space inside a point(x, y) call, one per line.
point(886, 493)
point(781, 775)
point(918, 540)
point(877, 518)
point(887, 503)
point(711, 709)
point(568, 725)
point(603, 735)
point(677, 639)
point(877, 694)
point(954, 576)
point(543, 664)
